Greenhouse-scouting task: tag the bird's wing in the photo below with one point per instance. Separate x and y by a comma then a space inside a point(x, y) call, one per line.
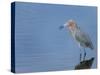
point(83, 38)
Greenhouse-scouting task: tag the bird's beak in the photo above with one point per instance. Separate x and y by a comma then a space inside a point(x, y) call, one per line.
point(65, 25)
point(61, 27)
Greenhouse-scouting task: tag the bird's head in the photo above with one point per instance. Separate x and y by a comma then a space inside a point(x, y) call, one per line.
point(70, 24)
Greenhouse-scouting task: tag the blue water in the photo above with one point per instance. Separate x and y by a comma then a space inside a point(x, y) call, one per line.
point(41, 46)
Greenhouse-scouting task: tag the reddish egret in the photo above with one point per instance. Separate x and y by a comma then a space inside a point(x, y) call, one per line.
point(81, 38)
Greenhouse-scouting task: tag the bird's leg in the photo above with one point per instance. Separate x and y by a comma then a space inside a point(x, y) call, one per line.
point(80, 56)
point(80, 52)
point(84, 54)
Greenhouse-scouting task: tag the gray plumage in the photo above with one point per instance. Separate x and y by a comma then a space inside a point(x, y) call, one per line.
point(83, 39)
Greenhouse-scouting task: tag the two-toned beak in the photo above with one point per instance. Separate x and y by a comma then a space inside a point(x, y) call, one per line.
point(63, 26)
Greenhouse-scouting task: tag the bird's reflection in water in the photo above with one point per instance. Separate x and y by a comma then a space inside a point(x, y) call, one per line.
point(86, 64)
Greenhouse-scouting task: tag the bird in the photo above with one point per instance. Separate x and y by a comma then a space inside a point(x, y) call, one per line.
point(83, 40)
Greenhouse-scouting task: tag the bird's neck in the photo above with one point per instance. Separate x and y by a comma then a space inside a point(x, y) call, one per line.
point(74, 30)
